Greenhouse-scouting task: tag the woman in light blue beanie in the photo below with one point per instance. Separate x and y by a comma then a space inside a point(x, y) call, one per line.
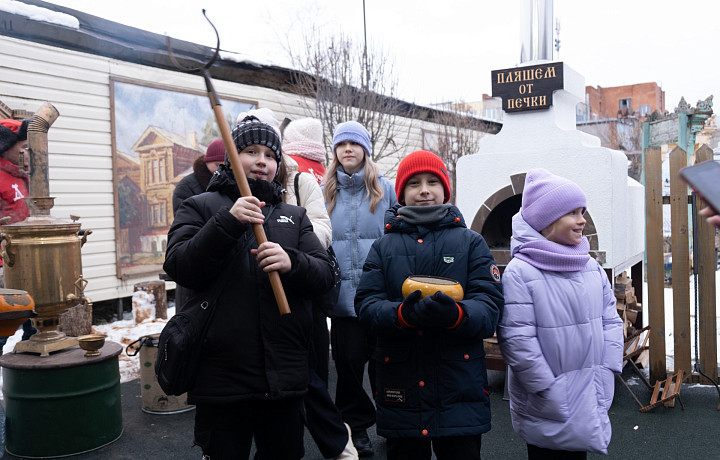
point(352, 131)
point(356, 197)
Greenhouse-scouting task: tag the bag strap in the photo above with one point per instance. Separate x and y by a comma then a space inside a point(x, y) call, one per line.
point(297, 188)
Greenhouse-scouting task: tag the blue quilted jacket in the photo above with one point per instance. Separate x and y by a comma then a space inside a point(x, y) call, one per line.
point(354, 229)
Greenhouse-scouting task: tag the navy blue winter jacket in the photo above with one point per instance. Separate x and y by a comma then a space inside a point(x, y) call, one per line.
point(430, 382)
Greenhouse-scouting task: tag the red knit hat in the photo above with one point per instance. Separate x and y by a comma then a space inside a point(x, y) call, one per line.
point(215, 151)
point(418, 162)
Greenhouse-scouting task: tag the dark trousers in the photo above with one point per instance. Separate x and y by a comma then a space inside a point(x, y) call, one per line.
point(445, 448)
point(28, 330)
point(352, 348)
point(321, 344)
point(322, 417)
point(226, 431)
point(541, 453)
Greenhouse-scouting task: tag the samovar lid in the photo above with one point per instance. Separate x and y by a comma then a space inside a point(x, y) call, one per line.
point(41, 224)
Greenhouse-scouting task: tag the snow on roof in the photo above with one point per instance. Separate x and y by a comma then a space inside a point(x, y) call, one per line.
point(242, 58)
point(39, 14)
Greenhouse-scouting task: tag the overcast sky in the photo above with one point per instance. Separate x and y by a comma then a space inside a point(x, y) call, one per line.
point(445, 50)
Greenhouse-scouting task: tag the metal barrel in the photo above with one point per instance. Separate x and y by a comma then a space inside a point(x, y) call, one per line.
point(61, 405)
point(154, 399)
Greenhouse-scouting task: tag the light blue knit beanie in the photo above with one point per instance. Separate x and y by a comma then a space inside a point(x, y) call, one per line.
point(352, 131)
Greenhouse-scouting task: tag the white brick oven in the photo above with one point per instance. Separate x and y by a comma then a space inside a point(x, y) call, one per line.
point(490, 183)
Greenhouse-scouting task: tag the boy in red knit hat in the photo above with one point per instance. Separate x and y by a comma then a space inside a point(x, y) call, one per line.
point(431, 378)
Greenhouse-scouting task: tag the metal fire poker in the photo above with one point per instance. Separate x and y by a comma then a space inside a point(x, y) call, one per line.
point(232, 152)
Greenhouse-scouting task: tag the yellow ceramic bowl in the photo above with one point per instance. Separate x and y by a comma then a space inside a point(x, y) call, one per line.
point(429, 285)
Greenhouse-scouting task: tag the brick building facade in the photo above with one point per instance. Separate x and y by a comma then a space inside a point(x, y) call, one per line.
point(640, 99)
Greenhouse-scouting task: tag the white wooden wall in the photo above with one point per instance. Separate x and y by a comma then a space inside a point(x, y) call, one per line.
point(80, 153)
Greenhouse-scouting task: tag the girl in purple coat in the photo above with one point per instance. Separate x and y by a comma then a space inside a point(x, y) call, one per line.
point(560, 333)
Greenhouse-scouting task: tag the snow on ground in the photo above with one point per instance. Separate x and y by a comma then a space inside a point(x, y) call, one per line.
point(127, 331)
point(669, 329)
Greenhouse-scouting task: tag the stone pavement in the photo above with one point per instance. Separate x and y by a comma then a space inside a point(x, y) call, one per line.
point(660, 434)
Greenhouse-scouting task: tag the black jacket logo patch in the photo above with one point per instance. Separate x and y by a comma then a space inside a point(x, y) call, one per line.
point(394, 395)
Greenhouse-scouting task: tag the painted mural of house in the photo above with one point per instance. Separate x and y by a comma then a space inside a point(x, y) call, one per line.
point(161, 156)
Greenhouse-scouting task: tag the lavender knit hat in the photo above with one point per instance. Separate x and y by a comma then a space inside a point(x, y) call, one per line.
point(352, 131)
point(304, 138)
point(548, 197)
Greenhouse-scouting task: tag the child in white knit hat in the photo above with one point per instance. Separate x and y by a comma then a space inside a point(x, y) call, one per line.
point(560, 333)
point(303, 142)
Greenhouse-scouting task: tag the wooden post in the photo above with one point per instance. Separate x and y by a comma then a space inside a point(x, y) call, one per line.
point(157, 289)
point(654, 252)
point(706, 263)
point(680, 262)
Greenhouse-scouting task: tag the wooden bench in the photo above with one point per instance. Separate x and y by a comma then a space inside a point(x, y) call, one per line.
point(635, 346)
point(670, 390)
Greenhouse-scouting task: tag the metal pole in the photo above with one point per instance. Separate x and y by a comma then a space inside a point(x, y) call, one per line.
point(365, 55)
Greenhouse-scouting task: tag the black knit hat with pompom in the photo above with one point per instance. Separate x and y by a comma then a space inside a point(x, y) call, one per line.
point(252, 131)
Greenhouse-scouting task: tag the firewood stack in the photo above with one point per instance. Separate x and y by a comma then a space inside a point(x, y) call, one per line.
point(628, 307)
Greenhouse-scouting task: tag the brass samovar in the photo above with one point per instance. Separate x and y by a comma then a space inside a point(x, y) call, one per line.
point(41, 255)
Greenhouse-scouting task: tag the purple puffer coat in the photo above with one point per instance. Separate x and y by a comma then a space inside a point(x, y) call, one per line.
point(562, 340)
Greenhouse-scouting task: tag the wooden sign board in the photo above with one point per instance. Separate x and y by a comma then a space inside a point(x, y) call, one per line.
point(527, 88)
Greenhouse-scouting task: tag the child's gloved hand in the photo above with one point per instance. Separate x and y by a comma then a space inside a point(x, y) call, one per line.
point(406, 312)
point(437, 311)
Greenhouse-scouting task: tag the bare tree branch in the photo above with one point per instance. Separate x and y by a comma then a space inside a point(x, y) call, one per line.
point(341, 83)
point(459, 134)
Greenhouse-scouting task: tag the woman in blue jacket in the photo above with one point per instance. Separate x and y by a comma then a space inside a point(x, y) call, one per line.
point(431, 376)
point(356, 196)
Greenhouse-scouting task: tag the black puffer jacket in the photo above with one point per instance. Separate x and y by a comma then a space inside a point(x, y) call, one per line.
point(430, 382)
point(193, 184)
point(251, 352)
